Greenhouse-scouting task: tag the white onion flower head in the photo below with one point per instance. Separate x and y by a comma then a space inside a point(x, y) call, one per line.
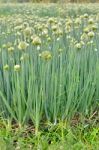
point(91, 34)
point(23, 45)
point(17, 68)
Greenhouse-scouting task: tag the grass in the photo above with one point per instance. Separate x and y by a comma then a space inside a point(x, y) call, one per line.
point(83, 135)
point(49, 77)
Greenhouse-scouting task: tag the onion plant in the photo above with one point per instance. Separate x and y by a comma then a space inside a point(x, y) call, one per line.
point(49, 68)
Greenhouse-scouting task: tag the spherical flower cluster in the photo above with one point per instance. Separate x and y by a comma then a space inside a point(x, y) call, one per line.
point(49, 39)
point(60, 50)
point(77, 21)
point(6, 67)
point(68, 29)
point(78, 45)
point(54, 28)
point(91, 34)
point(84, 37)
point(22, 45)
point(86, 15)
point(69, 22)
point(86, 30)
point(36, 41)
point(51, 20)
point(59, 32)
point(11, 49)
point(17, 68)
point(46, 55)
point(91, 21)
point(94, 27)
point(27, 31)
point(4, 46)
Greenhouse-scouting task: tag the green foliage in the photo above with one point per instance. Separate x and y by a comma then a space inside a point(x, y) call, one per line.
point(60, 136)
point(51, 1)
point(49, 69)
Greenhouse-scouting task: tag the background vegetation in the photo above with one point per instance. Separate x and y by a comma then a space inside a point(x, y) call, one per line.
point(53, 1)
point(39, 81)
